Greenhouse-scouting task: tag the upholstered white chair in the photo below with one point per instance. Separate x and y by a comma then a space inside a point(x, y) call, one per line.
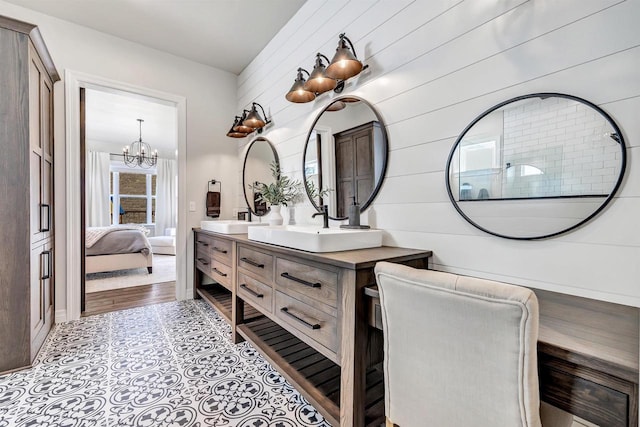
point(164, 245)
point(459, 351)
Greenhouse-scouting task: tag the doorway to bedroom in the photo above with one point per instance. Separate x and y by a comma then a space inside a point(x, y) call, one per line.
point(128, 154)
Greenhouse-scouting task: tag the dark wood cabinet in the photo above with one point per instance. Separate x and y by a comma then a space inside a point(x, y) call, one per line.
point(27, 75)
point(355, 168)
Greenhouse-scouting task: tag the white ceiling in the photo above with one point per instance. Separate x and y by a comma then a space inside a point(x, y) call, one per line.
point(226, 34)
point(111, 122)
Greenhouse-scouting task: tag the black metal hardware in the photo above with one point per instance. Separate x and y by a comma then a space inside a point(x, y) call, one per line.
point(46, 275)
point(215, 270)
point(48, 216)
point(203, 243)
point(251, 291)
point(202, 260)
point(325, 216)
point(301, 281)
point(314, 326)
point(252, 262)
point(222, 251)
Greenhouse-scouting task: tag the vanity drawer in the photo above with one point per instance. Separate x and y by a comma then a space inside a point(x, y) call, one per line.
point(259, 263)
point(295, 278)
point(203, 262)
point(255, 292)
point(314, 323)
point(203, 243)
point(221, 273)
point(221, 250)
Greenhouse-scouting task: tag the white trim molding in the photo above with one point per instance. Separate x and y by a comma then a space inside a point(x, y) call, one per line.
point(73, 82)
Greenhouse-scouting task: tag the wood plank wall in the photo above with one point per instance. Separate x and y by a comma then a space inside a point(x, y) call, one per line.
point(433, 67)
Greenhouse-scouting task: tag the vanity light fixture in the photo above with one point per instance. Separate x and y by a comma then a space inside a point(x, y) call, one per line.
point(344, 65)
point(254, 119)
point(319, 81)
point(240, 127)
point(298, 93)
point(250, 121)
point(233, 133)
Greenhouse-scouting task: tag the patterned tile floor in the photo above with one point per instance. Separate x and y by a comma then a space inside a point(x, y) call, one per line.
point(162, 365)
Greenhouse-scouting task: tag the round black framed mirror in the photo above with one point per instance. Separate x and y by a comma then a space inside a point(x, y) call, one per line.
point(345, 156)
point(260, 155)
point(536, 166)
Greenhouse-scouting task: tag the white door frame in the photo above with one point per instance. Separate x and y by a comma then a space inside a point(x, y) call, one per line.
point(73, 82)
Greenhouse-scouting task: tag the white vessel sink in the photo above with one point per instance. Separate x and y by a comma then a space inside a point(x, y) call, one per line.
point(316, 239)
point(229, 226)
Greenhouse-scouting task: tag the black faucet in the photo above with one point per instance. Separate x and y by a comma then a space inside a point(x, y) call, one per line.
point(325, 216)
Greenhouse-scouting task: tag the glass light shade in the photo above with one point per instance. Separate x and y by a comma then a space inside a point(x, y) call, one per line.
point(299, 94)
point(254, 119)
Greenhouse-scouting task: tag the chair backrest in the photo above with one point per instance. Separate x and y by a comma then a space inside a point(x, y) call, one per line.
point(459, 351)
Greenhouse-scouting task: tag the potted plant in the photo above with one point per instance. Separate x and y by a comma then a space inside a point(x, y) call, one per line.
point(281, 192)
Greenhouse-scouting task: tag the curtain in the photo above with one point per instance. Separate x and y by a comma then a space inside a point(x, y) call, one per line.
point(98, 209)
point(166, 196)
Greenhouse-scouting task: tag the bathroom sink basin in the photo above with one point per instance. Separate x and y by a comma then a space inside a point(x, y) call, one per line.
point(230, 226)
point(316, 239)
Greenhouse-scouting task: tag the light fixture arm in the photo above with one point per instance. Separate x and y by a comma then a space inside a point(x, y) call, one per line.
point(319, 55)
point(264, 114)
point(299, 77)
point(343, 37)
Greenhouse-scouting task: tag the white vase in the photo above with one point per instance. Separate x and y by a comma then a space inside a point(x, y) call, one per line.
point(275, 218)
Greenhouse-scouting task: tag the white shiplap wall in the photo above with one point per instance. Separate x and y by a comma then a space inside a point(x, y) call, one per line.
point(433, 67)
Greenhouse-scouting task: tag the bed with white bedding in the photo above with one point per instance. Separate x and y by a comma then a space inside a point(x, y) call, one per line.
point(118, 247)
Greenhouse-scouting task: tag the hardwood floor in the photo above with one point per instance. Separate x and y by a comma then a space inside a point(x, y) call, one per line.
point(121, 299)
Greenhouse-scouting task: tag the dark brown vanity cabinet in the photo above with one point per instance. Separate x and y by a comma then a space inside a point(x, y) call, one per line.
point(27, 75)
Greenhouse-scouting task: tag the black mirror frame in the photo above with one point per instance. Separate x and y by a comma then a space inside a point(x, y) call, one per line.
point(385, 138)
point(620, 140)
point(244, 166)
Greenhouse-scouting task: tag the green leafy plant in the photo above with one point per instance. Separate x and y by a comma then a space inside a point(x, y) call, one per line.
point(316, 193)
point(282, 191)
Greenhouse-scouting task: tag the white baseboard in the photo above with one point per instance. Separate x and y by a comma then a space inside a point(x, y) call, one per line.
point(60, 316)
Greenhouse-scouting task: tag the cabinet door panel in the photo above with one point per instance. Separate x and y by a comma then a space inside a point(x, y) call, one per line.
point(37, 291)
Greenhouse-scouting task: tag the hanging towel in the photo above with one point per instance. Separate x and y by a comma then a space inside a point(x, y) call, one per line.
point(213, 204)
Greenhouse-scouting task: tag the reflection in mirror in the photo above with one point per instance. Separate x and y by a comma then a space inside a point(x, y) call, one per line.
point(257, 168)
point(345, 156)
point(536, 166)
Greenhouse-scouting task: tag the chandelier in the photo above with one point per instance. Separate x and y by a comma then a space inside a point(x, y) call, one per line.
point(143, 157)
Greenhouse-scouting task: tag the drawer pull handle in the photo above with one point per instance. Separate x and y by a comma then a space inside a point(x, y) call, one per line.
point(301, 281)
point(286, 311)
point(202, 260)
point(222, 251)
point(203, 243)
point(215, 270)
point(251, 291)
point(252, 262)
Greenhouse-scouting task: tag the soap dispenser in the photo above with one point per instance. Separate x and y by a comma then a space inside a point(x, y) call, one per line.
point(354, 216)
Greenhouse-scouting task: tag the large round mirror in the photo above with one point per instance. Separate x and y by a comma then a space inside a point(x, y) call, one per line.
point(261, 154)
point(536, 166)
point(345, 156)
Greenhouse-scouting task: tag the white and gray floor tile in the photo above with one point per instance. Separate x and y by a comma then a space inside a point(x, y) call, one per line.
point(162, 365)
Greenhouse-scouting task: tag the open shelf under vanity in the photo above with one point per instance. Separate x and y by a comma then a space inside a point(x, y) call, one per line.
point(317, 377)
